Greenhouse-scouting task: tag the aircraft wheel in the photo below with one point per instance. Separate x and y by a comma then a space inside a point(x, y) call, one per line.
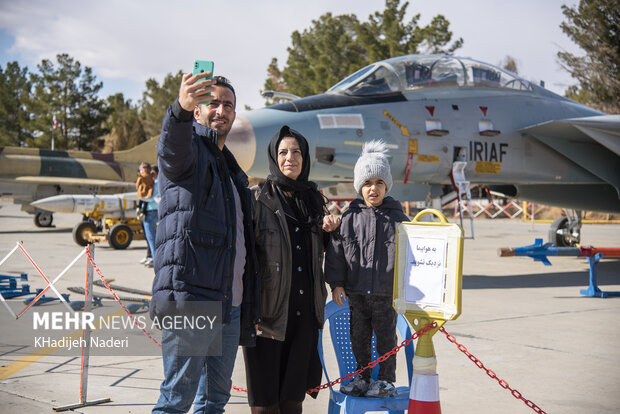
point(561, 236)
point(120, 236)
point(43, 219)
point(82, 230)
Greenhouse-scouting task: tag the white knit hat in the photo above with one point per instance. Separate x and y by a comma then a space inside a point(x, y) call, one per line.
point(373, 163)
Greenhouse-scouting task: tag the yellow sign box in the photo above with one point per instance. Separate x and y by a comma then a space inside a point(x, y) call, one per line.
point(429, 268)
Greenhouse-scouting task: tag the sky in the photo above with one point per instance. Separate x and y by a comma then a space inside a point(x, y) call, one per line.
point(127, 42)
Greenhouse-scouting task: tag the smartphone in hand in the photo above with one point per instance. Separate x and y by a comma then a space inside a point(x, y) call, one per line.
point(201, 66)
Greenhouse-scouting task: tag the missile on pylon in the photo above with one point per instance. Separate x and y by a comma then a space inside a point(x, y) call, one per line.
point(98, 205)
point(105, 217)
point(539, 251)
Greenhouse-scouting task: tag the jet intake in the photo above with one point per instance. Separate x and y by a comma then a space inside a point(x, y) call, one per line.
point(329, 156)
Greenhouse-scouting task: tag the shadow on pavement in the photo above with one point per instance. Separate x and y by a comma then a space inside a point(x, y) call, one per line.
point(41, 231)
point(608, 274)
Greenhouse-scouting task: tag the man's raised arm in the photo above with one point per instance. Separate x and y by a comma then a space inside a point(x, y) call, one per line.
point(174, 150)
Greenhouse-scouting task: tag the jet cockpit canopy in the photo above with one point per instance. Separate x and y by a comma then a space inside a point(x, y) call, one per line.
point(414, 72)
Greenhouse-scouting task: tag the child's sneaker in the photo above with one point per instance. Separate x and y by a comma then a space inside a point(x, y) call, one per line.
point(355, 388)
point(381, 389)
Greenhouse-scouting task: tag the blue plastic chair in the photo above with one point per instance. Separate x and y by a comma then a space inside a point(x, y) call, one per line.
point(338, 318)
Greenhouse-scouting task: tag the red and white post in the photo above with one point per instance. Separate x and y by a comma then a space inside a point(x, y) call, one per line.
point(424, 393)
point(86, 333)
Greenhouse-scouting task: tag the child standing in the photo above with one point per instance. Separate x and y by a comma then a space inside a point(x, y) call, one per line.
point(360, 263)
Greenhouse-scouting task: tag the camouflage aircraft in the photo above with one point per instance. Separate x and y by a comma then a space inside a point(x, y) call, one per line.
point(29, 174)
point(435, 110)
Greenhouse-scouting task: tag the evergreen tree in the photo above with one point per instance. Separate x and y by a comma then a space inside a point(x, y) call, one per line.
point(322, 55)
point(14, 90)
point(594, 25)
point(433, 38)
point(92, 111)
point(71, 95)
point(336, 46)
point(386, 34)
point(124, 123)
point(156, 100)
point(275, 82)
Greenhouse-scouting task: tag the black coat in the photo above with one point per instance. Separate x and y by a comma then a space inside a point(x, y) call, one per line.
point(361, 253)
point(273, 249)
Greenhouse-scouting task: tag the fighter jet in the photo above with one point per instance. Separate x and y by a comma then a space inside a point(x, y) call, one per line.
point(434, 111)
point(29, 174)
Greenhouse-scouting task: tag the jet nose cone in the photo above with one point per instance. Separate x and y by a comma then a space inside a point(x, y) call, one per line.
point(56, 204)
point(241, 141)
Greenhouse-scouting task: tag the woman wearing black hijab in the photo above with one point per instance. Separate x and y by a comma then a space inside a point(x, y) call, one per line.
point(289, 217)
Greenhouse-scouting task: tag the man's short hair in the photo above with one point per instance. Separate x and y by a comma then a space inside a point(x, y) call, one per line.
point(222, 81)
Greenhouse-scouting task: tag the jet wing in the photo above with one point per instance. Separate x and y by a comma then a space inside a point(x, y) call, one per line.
point(593, 143)
point(73, 181)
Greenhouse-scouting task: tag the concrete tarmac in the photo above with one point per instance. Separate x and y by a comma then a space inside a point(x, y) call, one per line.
point(525, 321)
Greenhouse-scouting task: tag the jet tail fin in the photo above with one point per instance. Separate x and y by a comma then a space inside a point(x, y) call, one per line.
point(144, 152)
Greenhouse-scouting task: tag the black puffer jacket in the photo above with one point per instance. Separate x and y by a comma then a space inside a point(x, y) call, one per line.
point(195, 252)
point(361, 253)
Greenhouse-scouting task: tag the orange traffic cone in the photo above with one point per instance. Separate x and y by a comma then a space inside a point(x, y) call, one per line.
point(424, 395)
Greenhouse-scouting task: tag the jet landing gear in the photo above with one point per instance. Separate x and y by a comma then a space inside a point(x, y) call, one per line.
point(565, 231)
point(43, 219)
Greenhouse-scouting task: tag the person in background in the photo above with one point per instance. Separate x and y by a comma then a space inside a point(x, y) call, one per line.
point(149, 223)
point(144, 189)
point(360, 263)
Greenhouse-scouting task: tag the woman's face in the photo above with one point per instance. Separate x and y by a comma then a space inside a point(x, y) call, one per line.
point(289, 157)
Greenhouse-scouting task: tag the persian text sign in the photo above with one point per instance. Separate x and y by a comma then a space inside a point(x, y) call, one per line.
point(425, 271)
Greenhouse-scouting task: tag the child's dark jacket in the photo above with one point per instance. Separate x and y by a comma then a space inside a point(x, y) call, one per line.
point(360, 256)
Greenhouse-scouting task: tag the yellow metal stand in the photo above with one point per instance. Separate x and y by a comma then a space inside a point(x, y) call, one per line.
point(427, 289)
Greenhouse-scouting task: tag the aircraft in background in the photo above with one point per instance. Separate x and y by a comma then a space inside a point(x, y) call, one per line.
point(30, 174)
point(434, 111)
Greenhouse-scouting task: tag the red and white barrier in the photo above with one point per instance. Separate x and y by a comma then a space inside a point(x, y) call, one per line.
point(50, 284)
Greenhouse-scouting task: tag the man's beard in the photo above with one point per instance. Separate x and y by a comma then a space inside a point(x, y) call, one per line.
point(222, 130)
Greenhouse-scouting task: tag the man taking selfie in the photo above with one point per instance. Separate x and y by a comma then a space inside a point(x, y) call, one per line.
point(205, 246)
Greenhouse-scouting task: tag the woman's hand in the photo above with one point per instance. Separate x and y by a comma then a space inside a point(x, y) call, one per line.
point(331, 223)
point(339, 296)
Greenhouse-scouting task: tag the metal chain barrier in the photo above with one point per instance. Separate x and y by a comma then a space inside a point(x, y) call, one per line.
point(492, 374)
point(502, 383)
point(310, 391)
point(374, 363)
point(235, 388)
point(105, 282)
